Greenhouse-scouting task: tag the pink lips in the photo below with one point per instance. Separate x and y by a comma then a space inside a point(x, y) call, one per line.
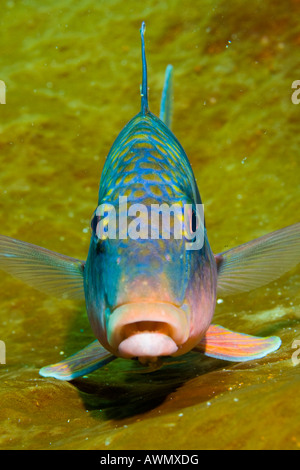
point(147, 329)
point(147, 345)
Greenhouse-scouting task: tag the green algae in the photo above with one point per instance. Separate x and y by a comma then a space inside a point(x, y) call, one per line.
point(72, 71)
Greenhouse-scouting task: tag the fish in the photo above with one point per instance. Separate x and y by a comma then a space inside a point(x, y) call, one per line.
point(152, 298)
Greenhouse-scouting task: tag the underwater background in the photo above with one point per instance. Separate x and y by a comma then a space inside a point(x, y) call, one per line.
point(72, 70)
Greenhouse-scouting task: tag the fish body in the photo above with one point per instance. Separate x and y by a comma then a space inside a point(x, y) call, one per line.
point(149, 292)
point(148, 166)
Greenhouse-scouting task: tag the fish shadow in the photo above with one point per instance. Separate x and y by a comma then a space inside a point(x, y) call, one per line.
point(126, 389)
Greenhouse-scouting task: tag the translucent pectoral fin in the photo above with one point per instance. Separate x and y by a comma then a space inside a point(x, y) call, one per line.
point(221, 343)
point(166, 106)
point(45, 270)
point(83, 362)
point(258, 262)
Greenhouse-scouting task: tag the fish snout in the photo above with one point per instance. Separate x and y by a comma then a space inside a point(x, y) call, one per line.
point(147, 330)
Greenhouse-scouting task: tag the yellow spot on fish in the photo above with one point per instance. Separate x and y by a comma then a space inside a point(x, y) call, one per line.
point(143, 145)
point(156, 190)
point(162, 149)
point(130, 167)
point(128, 178)
point(168, 189)
point(166, 177)
point(139, 193)
point(127, 192)
point(149, 166)
point(153, 177)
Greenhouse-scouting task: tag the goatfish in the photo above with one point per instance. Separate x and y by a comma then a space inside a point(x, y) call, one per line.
point(152, 298)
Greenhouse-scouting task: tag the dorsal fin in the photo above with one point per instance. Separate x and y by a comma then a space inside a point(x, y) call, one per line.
point(166, 105)
point(144, 91)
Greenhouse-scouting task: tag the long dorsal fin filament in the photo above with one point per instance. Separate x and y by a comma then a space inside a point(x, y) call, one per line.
point(144, 91)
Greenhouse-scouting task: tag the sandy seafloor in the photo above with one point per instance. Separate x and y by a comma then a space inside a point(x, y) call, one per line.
point(72, 70)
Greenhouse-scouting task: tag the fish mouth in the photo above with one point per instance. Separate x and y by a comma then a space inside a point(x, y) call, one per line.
point(147, 330)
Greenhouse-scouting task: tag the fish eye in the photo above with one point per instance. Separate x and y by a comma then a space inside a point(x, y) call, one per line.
point(99, 230)
point(193, 221)
point(100, 247)
point(94, 223)
point(192, 224)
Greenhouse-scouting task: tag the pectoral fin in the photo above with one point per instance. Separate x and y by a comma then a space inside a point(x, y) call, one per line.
point(45, 270)
point(258, 262)
point(166, 106)
point(83, 362)
point(221, 343)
